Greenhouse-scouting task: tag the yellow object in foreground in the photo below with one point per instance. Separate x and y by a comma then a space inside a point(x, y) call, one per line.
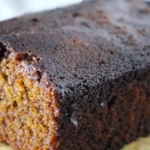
point(5, 147)
point(140, 144)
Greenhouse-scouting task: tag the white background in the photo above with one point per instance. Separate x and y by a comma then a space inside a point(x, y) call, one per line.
point(13, 8)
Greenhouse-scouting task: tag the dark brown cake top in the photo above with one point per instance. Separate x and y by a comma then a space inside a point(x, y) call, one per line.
point(88, 43)
point(120, 16)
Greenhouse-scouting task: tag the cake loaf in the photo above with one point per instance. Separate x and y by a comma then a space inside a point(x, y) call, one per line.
point(81, 84)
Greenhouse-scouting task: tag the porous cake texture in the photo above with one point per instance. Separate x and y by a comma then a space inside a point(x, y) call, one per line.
point(76, 78)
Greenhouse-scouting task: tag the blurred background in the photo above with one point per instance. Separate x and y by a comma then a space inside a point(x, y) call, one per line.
point(14, 8)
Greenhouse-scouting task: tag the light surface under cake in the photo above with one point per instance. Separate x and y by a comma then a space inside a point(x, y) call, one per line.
point(140, 144)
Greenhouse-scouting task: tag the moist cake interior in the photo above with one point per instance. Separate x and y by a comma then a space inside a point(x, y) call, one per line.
point(27, 102)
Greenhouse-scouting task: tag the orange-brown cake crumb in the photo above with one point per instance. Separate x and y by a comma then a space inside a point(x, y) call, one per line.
point(28, 106)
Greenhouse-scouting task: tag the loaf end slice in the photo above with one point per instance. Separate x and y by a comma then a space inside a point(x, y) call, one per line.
point(53, 96)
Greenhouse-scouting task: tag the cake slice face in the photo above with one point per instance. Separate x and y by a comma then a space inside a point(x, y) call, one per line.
point(28, 107)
